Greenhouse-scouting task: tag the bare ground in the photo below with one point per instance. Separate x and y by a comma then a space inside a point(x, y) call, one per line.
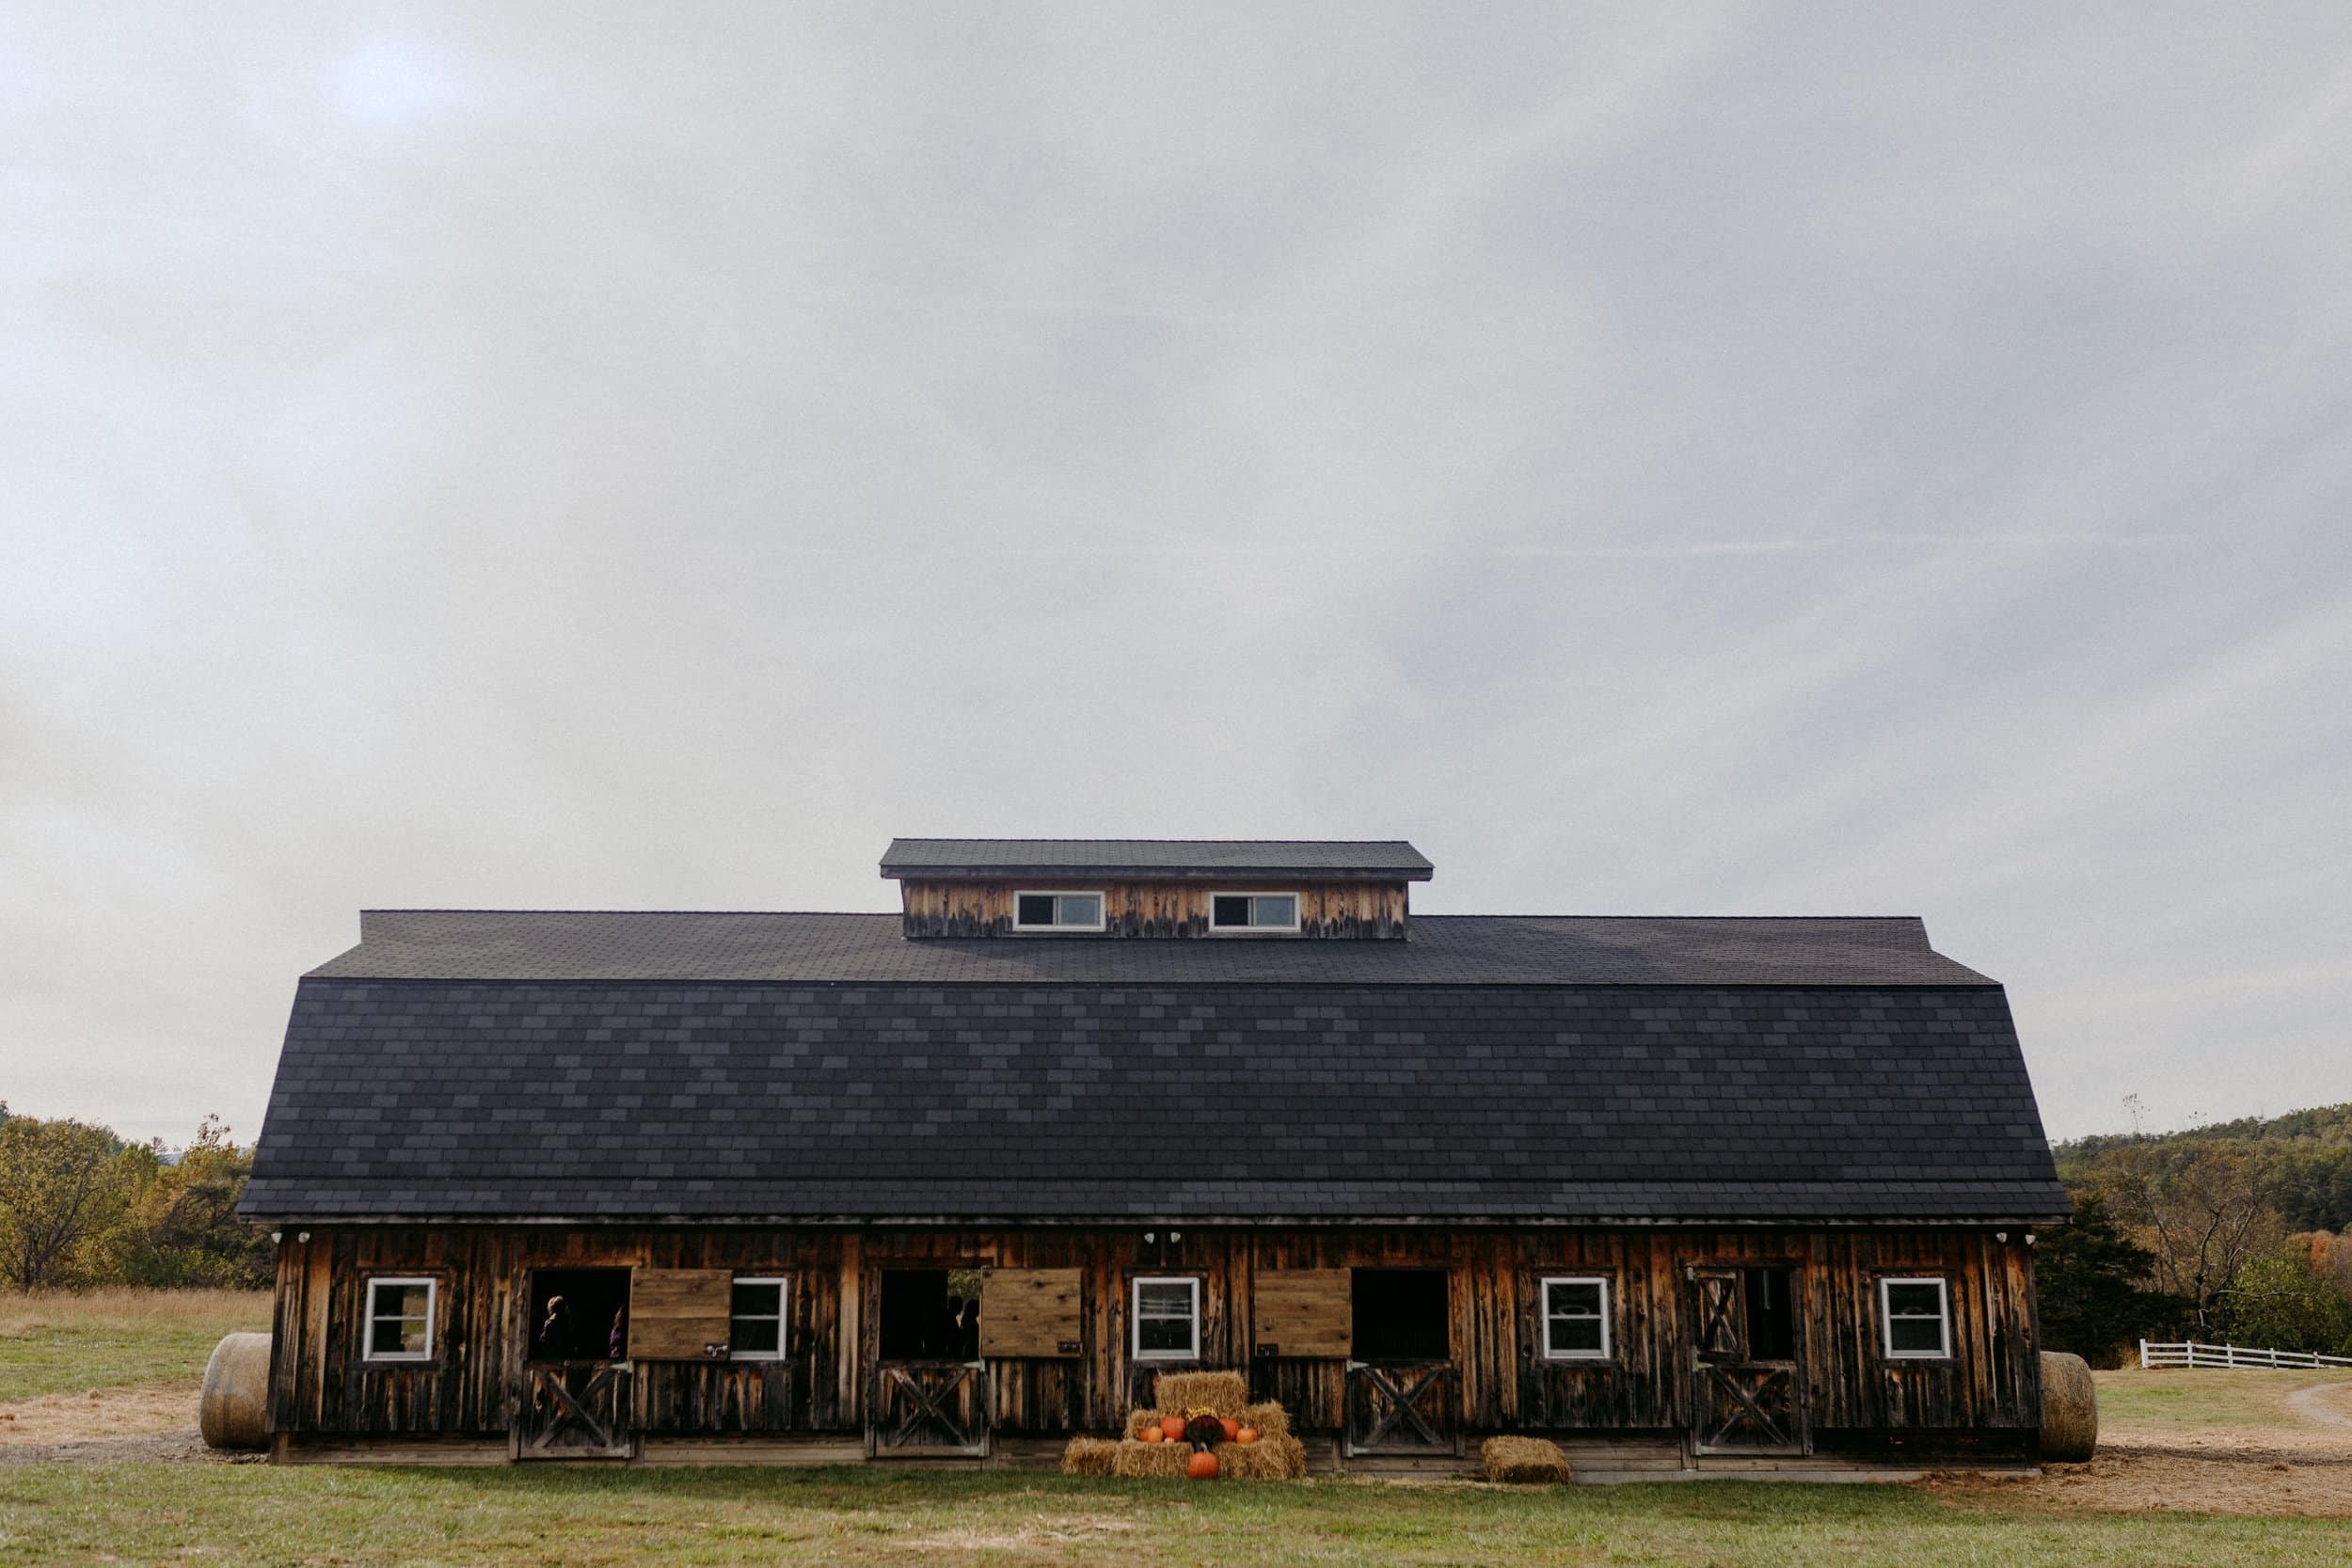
point(144, 1422)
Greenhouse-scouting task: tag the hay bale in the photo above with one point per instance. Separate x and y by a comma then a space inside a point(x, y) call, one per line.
point(1137, 1420)
point(2069, 1409)
point(1270, 1419)
point(1152, 1460)
point(1267, 1459)
point(233, 1409)
point(1523, 1459)
point(1225, 1394)
point(1090, 1456)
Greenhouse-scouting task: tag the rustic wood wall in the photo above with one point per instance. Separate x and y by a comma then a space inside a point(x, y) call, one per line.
point(1343, 910)
point(319, 1384)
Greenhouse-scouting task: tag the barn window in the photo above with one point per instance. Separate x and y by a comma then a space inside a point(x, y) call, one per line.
point(930, 1315)
point(1057, 912)
point(1399, 1315)
point(1168, 1320)
point(1917, 1318)
point(755, 1321)
point(1576, 1319)
point(400, 1320)
point(579, 1315)
point(1253, 912)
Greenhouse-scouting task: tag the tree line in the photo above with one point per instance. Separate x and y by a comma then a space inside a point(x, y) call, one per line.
point(80, 1207)
point(2235, 1233)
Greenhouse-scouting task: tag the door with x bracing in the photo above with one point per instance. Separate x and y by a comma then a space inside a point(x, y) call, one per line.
point(1747, 1369)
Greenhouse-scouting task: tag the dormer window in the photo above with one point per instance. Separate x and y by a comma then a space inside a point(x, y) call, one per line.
point(1253, 912)
point(1057, 912)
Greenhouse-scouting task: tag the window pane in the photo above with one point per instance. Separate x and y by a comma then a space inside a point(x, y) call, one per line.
point(754, 1335)
point(1280, 911)
point(1082, 908)
point(1916, 1335)
point(399, 1335)
point(1228, 909)
point(1166, 1334)
point(1914, 1301)
point(1153, 1301)
point(758, 1300)
point(400, 1301)
point(1034, 908)
point(1576, 1334)
point(1579, 1299)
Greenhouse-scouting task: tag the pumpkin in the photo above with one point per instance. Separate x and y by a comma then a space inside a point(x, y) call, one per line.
point(1172, 1427)
point(1232, 1428)
point(1153, 1435)
point(1246, 1435)
point(1203, 1465)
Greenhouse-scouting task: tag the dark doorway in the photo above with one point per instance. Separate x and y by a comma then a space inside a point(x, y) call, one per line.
point(1772, 1315)
point(1401, 1315)
point(930, 1315)
point(579, 1315)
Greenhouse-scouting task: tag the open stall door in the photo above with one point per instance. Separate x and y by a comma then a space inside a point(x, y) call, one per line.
point(1403, 1393)
point(1747, 1384)
point(927, 1394)
point(575, 1388)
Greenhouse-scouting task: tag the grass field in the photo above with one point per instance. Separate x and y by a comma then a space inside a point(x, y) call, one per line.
point(64, 1344)
point(251, 1515)
point(2184, 1399)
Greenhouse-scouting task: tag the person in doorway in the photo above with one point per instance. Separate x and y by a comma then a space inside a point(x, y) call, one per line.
point(969, 1336)
point(555, 1330)
point(618, 1339)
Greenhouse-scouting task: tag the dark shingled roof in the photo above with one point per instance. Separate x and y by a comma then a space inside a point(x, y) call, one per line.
point(1170, 857)
point(513, 1098)
point(1636, 1079)
point(1458, 949)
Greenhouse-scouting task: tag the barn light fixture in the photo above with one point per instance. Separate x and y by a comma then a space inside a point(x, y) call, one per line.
point(304, 1237)
point(2030, 1238)
point(2001, 1235)
point(1175, 1235)
point(275, 1237)
point(1149, 1237)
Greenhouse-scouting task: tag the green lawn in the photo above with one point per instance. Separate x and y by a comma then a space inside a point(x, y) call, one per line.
point(2182, 1398)
point(255, 1514)
point(52, 1344)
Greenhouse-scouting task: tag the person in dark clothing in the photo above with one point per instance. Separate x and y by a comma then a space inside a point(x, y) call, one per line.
point(555, 1330)
point(969, 1337)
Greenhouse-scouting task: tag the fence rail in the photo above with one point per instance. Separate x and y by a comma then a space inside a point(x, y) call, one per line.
point(2191, 1353)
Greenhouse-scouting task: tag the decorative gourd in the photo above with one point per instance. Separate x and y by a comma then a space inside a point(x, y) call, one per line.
point(1203, 1465)
point(1246, 1435)
point(1153, 1435)
point(1172, 1427)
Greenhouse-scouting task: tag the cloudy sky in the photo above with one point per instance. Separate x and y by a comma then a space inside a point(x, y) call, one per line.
point(1798, 459)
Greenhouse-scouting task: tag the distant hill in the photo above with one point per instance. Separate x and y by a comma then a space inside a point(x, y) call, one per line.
point(2305, 1158)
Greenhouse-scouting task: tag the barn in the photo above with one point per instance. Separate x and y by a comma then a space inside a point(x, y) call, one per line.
point(955, 1183)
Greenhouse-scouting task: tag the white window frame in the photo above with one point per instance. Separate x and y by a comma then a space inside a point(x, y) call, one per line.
point(783, 1317)
point(1543, 1305)
point(432, 1316)
point(1135, 1314)
point(1944, 1318)
point(1102, 908)
point(1299, 904)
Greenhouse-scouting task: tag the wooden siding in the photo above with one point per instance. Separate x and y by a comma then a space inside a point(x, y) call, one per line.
point(1342, 909)
point(1988, 1392)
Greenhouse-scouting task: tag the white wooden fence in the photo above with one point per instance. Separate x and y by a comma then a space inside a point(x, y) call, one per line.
point(2191, 1353)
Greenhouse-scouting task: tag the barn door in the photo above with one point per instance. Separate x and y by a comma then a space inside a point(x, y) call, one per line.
point(930, 1407)
point(1747, 1390)
point(574, 1410)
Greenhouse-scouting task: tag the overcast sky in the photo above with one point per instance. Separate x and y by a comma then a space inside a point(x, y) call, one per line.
point(1768, 460)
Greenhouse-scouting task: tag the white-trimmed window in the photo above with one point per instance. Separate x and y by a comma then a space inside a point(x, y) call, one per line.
point(1915, 1316)
point(1056, 911)
point(1253, 912)
point(1168, 1320)
point(1576, 1317)
point(399, 1318)
point(756, 1319)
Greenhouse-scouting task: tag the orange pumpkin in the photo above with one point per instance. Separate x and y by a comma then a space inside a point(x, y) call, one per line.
point(1202, 1467)
point(1232, 1428)
point(1153, 1435)
point(1246, 1435)
point(1172, 1427)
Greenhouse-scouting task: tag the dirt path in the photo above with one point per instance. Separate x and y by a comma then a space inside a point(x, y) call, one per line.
point(146, 1421)
point(2323, 1402)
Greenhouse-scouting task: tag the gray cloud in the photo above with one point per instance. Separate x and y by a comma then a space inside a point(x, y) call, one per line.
point(1756, 459)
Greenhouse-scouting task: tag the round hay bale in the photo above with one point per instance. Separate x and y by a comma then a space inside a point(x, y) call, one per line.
point(2069, 1409)
point(233, 1409)
point(1523, 1459)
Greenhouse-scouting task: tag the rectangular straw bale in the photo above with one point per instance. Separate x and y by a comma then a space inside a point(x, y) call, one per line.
point(1090, 1456)
point(1270, 1419)
point(1138, 1420)
point(1221, 1393)
point(1523, 1459)
point(1140, 1461)
point(1267, 1459)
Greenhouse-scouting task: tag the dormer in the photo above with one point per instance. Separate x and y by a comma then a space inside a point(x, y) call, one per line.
point(1216, 890)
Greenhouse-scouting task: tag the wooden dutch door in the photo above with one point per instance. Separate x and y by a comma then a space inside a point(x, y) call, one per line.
point(928, 1392)
point(583, 1333)
point(1747, 1382)
point(1403, 1388)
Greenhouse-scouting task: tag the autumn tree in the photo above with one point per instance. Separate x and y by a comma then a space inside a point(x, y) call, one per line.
point(2091, 1287)
point(2199, 1208)
point(61, 1189)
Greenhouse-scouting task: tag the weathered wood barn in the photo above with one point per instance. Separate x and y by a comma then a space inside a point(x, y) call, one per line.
point(1677, 1193)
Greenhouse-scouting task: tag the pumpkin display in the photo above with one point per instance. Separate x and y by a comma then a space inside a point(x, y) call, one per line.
point(1246, 1435)
point(1232, 1428)
point(1172, 1427)
point(1153, 1435)
point(1203, 1465)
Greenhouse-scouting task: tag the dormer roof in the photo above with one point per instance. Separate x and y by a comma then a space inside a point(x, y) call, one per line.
point(1160, 859)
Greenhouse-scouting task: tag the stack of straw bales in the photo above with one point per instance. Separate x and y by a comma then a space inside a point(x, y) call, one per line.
point(1275, 1456)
